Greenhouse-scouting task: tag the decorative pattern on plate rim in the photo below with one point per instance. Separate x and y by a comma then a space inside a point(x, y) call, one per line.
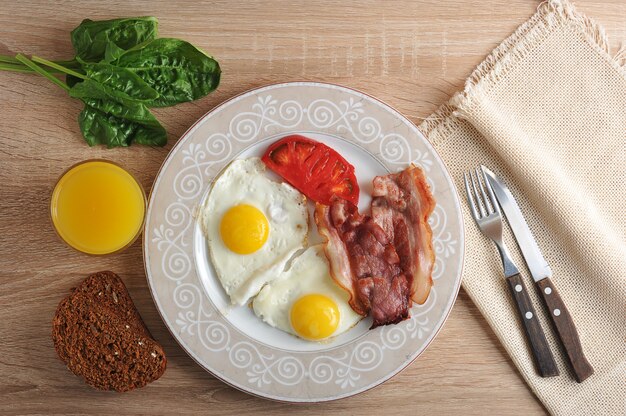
point(263, 114)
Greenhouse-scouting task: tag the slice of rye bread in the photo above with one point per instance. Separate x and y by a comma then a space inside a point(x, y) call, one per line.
point(110, 291)
point(99, 334)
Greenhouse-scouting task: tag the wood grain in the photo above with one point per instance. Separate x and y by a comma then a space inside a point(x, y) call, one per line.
point(411, 54)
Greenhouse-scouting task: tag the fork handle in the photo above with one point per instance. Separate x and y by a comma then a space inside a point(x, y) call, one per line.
point(565, 328)
point(534, 333)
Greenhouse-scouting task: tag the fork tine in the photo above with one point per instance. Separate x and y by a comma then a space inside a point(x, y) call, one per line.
point(470, 200)
point(492, 196)
point(481, 185)
point(477, 196)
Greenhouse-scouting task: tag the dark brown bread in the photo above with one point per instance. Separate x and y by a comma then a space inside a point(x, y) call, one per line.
point(110, 291)
point(99, 334)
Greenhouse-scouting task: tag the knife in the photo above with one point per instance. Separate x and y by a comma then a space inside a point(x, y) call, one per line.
point(541, 273)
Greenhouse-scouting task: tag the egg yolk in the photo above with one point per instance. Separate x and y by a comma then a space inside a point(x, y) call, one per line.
point(314, 317)
point(244, 229)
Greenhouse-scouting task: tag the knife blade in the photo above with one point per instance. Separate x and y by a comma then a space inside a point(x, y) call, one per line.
point(537, 264)
point(541, 273)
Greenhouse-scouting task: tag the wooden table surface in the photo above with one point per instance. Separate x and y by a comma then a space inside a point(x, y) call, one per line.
point(411, 54)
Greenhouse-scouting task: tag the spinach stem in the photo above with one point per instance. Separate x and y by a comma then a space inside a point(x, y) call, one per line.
point(58, 67)
point(41, 71)
point(9, 60)
point(20, 67)
point(15, 68)
point(72, 64)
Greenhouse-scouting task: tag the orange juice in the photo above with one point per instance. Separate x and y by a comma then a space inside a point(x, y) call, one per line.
point(97, 207)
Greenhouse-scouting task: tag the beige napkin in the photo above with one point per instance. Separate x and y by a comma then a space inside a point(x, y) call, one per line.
point(547, 112)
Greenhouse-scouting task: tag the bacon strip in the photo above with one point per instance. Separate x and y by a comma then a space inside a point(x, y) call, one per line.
point(330, 221)
point(384, 261)
point(364, 262)
point(401, 205)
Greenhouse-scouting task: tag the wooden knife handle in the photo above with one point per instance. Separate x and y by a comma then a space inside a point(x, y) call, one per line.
point(534, 333)
point(566, 329)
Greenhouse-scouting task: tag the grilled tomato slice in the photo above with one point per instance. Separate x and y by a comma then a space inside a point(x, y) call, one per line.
point(313, 168)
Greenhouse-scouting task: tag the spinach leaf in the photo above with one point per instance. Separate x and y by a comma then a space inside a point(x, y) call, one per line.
point(112, 52)
point(120, 69)
point(135, 112)
point(113, 124)
point(110, 82)
point(91, 38)
point(176, 69)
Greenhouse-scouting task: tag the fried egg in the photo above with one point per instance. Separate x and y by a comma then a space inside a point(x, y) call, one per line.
point(253, 225)
point(305, 301)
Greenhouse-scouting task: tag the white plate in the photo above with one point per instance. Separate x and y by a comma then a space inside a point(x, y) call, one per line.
point(231, 342)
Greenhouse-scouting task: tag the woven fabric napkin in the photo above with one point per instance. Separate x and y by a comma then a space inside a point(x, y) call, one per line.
point(547, 112)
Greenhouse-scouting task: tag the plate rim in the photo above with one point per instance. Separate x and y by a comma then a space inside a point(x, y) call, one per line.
point(462, 240)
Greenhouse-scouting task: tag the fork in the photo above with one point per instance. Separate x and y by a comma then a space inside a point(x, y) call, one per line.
point(488, 217)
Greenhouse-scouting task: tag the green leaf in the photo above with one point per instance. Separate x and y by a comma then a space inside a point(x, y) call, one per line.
point(112, 52)
point(176, 69)
point(106, 81)
point(114, 125)
point(91, 38)
point(134, 112)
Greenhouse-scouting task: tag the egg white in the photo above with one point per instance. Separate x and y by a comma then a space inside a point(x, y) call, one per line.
point(309, 273)
point(244, 182)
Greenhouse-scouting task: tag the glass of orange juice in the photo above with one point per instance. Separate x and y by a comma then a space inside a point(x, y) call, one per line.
point(97, 207)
